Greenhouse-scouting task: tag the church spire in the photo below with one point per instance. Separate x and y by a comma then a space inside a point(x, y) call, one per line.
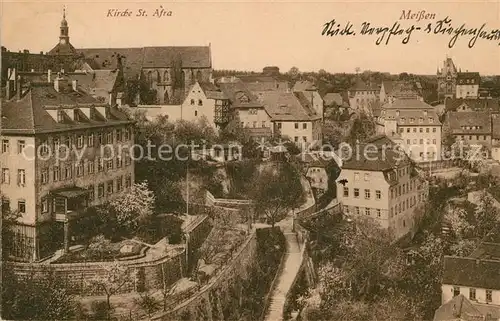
point(64, 34)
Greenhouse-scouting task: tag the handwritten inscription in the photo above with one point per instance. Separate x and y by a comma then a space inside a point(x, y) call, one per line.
point(385, 33)
point(156, 13)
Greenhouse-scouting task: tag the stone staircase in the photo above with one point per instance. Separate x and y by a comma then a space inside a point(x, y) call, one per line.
point(291, 266)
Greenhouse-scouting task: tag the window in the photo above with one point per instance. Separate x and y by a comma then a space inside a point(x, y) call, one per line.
point(346, 191)
point(119, 135)
point(421, 141)
point(195, 113)
point(128, 160)
point(378, 194)
point(100, 138)
point(434, 130)
point(408, 129)
point(427, 130)
point(488, 296)
point(367, 177)
point(296, 125)
point(21, 177)
point(356, 210)
point(109, 138)
point(304, 126)
point(192, 101)
point(296, 138)
point(128, 182)
point(21, 144)
point(100, 164)
point(79, 169)
point(279, 125)
point(401, 130)
point(119, 162)
point(346, 209)
point(5, 146)
point(45, 205)
point(200, 102)
point(55, 173)
point(80, 141)
point(91, 193)
point(367, 211)
point(21, 206)
point(304, 138)
point(57, 144)
point(60, 116)
point(434, 141)
point(109, 164)
point(5, 176)
point(68, 172)
point(356, 192)
point(415, 130)
point(100, 191)
point(378, 212)
point(356, 176)
point(421, 129)
point(45, 175)
point(109, 186)
point(119, 184)
point(472, 294)
point(367, 194)
point(90, 167)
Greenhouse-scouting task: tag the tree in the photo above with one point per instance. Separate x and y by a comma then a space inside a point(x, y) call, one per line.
point(294, 72)
point(48, 297)
point(276, 190)
point(362, 128)
point(332, 134)
point(147, 302)
point(133, 207)
point(116, 277)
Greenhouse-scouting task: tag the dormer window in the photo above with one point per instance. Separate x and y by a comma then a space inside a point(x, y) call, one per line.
point(412, 120)
point(242, 97)
point(60, 116)
point(402, 119)
point(431, 120)
point(421, 120)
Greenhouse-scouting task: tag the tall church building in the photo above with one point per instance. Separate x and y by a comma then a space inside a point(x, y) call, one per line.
point(447, 80)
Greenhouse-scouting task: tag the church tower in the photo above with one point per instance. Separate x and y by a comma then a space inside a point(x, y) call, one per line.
point(64, 47)
point(64, 36)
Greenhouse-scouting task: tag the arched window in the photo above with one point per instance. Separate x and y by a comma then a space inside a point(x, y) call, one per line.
point(158, 76)
point(166, 76)
point(200, 102)
point(192, 101)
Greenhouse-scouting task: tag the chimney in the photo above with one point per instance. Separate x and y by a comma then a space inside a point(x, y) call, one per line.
point(49, 75)
point(56, 84)
point(19, 87)
point(75, 85)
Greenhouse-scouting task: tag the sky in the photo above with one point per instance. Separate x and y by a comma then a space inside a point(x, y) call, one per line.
point(250, 35)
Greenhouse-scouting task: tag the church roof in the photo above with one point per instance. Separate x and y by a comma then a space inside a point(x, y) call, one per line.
point(60, 49)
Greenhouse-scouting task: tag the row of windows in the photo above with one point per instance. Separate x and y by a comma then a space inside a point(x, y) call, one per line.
point(296, 139)
point(404, 188)
point(472, 293)
point(21, 176)
point(60, 173)
point(421, 141)
point(420, 129)
point(254, 124)
point(103, 189)
point(200, 102)
point(304, 125)
point(420, 120)
point(378, 193)
point(101, 138)
point(478, 137)
point(403, 206)
point(365, 210)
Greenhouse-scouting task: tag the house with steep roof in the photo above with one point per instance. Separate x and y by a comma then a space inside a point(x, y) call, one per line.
point(475, 278)
point(460, 309)
point(415, 124)
point(467, 104)
point(247, 111)
point(310, 91)
point(379, 182)
point(473, 128)
point(362, 95)
point(495, 137)
point(293, 116)
point(392, 90)
point(54, 164)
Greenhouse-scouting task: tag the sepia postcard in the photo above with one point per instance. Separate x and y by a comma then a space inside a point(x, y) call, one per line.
point(250, 160)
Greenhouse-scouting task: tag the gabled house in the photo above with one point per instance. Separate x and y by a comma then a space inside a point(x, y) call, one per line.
point(309, 90)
